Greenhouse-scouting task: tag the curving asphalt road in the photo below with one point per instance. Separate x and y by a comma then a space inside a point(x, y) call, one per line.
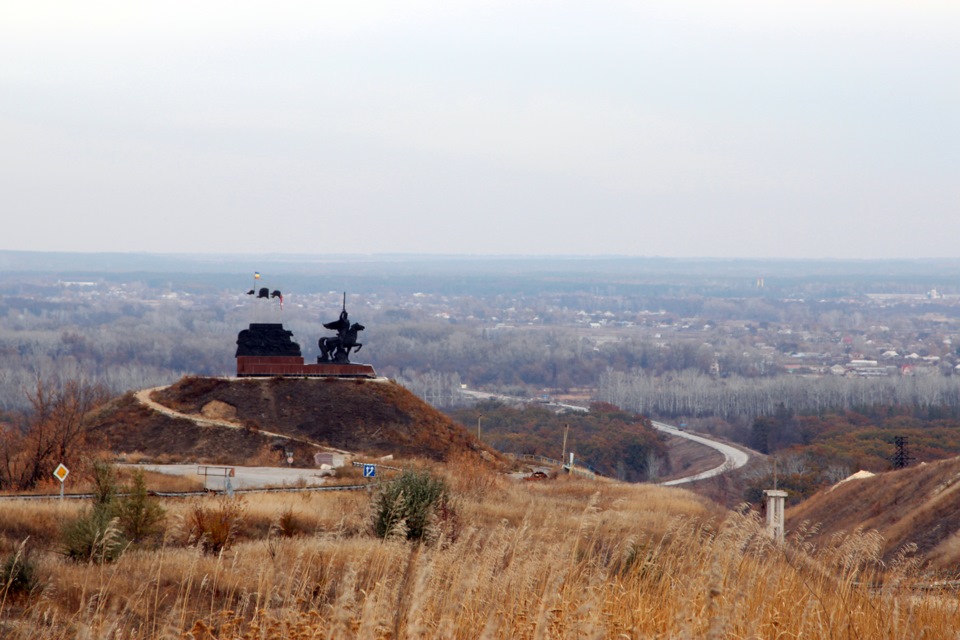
point(733, 458)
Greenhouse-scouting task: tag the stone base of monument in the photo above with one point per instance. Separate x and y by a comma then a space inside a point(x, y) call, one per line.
point(250, 366)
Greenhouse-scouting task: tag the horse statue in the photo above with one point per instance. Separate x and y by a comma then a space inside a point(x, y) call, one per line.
point(337, 348)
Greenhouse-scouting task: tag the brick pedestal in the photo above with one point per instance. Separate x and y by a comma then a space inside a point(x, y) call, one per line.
point(293, 366)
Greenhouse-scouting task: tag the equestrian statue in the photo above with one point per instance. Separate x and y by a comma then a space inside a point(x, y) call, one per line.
point(337, 348)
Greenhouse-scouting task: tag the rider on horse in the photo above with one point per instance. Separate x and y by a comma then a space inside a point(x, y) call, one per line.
point(345, 340)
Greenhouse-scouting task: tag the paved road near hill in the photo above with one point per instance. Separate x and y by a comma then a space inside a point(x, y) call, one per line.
point(733, 458)
point(245, 477)
point(215, 477)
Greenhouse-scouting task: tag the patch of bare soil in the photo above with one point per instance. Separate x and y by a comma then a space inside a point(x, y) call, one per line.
point(217, 410)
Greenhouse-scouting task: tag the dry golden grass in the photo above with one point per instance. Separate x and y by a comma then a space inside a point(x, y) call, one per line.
point(917, 505)
point(565, 558)
point(163, 482)
point(83, 483)
point(37, 520)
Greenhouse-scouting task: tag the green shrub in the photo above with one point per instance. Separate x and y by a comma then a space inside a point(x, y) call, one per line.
point(18, 574)
point(139, 515)
point(415, 505)
point(93, 537)
point(104, 484)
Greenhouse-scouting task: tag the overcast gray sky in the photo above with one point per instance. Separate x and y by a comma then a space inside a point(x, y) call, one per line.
point(748, 128)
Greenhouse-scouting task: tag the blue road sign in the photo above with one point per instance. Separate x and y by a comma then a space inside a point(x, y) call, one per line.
point(369, 471)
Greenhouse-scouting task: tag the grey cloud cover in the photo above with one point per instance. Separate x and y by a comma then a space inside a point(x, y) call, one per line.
point(749, 128)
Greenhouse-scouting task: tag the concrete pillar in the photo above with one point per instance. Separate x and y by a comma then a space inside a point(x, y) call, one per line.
point(775, 500)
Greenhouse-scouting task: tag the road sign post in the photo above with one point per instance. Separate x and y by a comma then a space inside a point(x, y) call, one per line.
point(61, 473)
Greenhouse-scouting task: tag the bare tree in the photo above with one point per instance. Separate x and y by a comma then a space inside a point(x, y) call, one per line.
point(54, 432)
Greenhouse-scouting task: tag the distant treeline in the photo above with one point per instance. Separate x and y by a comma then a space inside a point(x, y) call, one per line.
point(691, 393)
point(618, 444)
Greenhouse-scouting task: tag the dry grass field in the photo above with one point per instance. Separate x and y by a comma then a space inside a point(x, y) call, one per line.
point(917, 505)
point(566, 558)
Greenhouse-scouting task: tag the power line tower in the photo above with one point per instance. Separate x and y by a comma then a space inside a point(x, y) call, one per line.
point(900, 458)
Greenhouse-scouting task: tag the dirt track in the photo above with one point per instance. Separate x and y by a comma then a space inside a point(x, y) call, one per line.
point(143, 397)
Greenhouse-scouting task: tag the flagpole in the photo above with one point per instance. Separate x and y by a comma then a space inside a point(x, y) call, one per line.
point(253, 313)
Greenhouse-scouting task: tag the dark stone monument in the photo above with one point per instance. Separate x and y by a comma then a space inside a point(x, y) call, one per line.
point(267, 340)
point(337, 348)
point(267, 349)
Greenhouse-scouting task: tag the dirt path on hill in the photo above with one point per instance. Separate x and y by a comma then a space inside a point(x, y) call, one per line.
point(143, 397)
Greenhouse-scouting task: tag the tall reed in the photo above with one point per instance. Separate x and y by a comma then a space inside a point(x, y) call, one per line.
point(565, 558)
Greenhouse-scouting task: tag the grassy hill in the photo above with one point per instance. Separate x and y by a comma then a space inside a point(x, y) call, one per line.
point(569, 558)
point(372, 417)
point(565, 558)
point(917, 505)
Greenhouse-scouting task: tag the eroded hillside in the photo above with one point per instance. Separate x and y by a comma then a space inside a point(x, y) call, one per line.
point(918, 505)
point(261, 416)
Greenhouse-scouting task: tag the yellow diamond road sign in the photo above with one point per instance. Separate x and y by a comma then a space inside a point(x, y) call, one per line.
point(61, 472)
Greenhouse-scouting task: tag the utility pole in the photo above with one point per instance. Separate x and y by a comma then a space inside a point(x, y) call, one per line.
point(479, 418)
point(900, 458)
point(563, 456)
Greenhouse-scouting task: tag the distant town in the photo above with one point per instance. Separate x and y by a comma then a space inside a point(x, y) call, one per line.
point(534, 327)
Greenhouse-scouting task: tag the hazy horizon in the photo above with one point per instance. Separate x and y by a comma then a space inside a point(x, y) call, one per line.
point(753, 130)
